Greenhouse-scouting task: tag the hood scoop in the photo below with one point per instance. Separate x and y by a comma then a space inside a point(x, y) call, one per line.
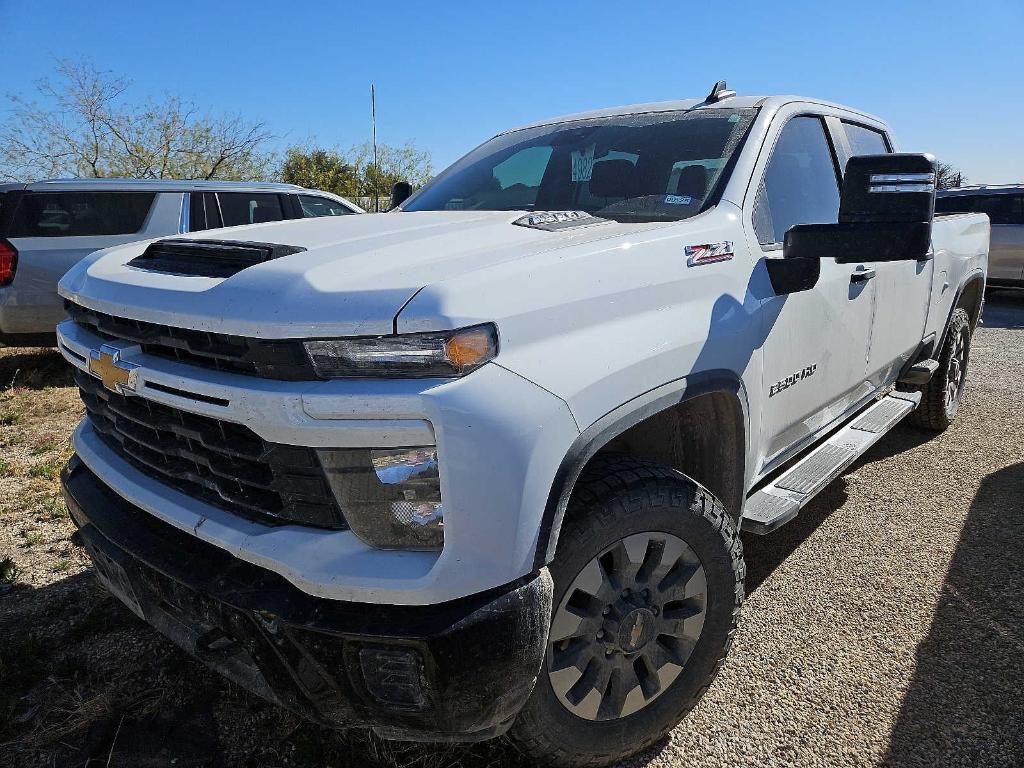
point(207, 258)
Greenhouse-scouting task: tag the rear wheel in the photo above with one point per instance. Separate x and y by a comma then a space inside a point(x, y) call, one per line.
point(940, 398)
point(648, 586)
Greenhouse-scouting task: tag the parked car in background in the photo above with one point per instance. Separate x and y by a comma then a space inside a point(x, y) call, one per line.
point(48, 226)
point(1004, 205)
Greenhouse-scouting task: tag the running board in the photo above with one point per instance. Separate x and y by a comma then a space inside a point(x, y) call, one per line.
point(781, 500)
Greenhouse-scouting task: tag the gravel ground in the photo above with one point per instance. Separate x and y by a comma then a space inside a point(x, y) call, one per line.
point(883, 626)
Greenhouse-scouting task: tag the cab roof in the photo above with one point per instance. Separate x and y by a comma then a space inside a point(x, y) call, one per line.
point(731, 102)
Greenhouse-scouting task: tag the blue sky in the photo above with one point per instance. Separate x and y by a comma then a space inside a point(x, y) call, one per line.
point(948, 76)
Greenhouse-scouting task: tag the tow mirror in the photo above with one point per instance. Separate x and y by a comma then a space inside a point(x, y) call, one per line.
point(400, 192)
point(885, 213)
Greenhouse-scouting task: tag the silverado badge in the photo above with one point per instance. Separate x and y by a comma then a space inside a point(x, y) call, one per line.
point(106, 365)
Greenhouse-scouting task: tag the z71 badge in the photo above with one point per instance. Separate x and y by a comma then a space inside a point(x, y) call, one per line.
point(789, 381)
point(708, 253)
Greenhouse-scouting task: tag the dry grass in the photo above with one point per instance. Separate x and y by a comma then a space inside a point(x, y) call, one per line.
point(868, 634)
point(81, 679)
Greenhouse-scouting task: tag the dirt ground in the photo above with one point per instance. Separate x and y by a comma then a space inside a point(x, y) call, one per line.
point(883, 626)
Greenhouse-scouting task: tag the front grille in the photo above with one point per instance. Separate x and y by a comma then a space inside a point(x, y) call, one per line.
point(224, 464)
point(285, 359)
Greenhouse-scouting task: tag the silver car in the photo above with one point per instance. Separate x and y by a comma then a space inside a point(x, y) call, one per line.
point(48, 226)
point(1004, 205)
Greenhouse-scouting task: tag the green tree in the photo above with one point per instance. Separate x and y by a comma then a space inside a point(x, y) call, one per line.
point(404, 163)
point(320, 169)
point(354, 174)
point(84, 125)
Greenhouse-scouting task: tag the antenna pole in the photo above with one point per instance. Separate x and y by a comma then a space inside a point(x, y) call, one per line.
point(376, 172)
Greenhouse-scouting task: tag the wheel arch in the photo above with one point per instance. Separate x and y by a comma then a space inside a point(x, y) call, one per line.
point(651, 426)
point(970, 297)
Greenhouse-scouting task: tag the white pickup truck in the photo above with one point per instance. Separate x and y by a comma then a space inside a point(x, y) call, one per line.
point(479, 465)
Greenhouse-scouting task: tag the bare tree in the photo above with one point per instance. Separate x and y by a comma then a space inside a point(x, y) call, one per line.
point(85, 126)
point(948, 176)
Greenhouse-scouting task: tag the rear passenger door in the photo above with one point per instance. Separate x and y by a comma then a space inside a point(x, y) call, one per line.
point(212, 210)
point(902, 289)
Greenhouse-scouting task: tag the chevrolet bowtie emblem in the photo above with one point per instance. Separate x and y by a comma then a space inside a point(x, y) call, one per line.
point(106, 365)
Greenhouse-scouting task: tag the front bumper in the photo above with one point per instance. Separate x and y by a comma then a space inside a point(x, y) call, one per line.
point(455, 671)
point(500, 441)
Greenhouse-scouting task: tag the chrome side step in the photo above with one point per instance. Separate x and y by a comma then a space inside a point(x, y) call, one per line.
point(781, 500)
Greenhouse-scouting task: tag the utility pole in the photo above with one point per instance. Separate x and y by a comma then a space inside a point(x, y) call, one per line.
point(376, 172)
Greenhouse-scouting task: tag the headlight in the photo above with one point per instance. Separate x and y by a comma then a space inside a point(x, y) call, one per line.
point(391, 499)
point(446, 353)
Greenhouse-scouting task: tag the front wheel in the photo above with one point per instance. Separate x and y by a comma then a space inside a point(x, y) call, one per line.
point(940, 398)
point(648, 586)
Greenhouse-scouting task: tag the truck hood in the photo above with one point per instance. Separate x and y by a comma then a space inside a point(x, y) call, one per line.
point(356, 273)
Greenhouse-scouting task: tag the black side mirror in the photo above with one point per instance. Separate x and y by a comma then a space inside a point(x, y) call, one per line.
point(400, 192)
point(885, 213)
point(792, 275)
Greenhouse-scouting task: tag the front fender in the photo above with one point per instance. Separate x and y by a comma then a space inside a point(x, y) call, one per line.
point(617, 422)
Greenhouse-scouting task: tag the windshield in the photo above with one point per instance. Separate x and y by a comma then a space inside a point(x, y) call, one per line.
point(649, 167)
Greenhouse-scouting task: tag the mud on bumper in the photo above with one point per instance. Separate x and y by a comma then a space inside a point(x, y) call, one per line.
point(457, 671)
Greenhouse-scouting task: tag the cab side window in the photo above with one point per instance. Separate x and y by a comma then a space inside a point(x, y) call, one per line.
point(865, 141)
point(800, 184)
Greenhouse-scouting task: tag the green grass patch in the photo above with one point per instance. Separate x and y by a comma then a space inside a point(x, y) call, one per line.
point(45, 469)
point(8, 571)
point(54, 508)
point(10, 418)
point(32, 537)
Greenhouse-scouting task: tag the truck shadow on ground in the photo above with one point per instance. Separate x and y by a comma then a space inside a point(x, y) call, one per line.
point(83, 682)
point(36, 369)
point(965, 698)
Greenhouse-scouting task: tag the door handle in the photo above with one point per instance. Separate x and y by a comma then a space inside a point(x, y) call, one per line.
point(862, 275)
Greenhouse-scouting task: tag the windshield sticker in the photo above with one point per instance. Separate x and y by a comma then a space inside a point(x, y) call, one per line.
point(709, 253)
point(678, 199)
point(583, 163)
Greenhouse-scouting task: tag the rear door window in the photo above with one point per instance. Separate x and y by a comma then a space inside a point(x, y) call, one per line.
point(314, 206)
point(238, 208)
point(865, 141)
point(81, 214)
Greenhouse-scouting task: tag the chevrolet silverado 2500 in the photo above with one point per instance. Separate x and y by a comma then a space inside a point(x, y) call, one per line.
point(478, 465)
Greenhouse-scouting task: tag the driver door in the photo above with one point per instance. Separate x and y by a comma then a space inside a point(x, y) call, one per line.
point(814, 358)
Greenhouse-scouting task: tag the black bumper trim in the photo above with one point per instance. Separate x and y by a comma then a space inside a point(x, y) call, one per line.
point(475, 659)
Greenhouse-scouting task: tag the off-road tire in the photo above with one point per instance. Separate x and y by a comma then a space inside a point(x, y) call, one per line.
point(616, 497)
point(936, 412)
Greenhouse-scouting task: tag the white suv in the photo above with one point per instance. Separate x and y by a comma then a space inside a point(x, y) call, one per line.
point(49, 226)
